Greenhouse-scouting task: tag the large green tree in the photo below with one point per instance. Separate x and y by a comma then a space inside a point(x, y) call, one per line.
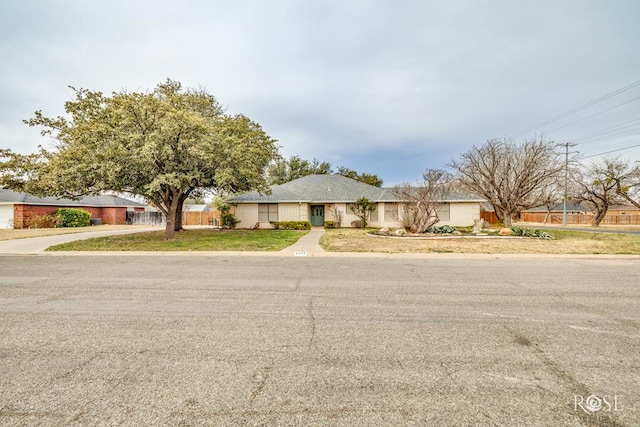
point(165, 145)
point(284, 170)
point(367, 178)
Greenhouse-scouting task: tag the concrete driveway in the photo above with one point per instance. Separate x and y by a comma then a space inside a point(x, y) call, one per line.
point(36, 245)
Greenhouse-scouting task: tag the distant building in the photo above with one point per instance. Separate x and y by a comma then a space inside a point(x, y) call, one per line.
point(16, 209)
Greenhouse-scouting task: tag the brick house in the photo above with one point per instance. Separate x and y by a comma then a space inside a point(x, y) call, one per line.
point(16, 209)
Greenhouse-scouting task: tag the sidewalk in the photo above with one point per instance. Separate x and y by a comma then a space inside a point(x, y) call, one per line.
point(308, 245)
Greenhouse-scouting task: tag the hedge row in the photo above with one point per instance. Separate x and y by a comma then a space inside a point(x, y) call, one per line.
point(68, 217)
point(291, 225)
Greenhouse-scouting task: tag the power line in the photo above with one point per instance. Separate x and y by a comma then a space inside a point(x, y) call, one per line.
point(611, 151)
point(596, 114)
point(611, 129)
point(581, 107)
point(630, 130)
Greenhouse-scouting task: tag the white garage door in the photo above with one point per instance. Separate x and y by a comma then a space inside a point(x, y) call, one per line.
point(6, 216)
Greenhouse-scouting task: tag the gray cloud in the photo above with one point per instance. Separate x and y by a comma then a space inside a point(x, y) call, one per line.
point(386, 87)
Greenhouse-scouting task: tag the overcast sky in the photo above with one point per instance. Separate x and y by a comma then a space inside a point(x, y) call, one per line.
point(386, 87)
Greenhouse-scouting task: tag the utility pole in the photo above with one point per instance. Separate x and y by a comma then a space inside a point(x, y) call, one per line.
point(566, 180)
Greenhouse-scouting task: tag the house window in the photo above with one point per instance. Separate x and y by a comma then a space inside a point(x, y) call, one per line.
point(267, 212)
point(444, 211)
point(390, 211)
point(373, 215)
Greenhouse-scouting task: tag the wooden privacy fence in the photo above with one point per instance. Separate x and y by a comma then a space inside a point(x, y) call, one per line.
point(488, 216)
point(201, 218)
point(188, 218)
point(575, 218)
point(145, 218)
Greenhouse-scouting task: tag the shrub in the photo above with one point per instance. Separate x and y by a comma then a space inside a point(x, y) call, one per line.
point(229, 220)
point(42, 221)
point(527, 232)
point(329, 224)
point(444, 229)
point(357, 224)
point(362, 208)
point(68, 217)
point(291, 225)
point(544, 235)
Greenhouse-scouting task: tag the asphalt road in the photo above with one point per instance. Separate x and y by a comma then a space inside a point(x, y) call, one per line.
point(196, 340)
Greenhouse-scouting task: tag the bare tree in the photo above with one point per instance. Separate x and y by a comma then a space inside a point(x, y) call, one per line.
point(512, 177)
point(628, 182)
point(597, 187)
point(422, 202)
point(550, 197)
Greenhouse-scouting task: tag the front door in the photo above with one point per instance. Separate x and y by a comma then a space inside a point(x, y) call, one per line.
point(317, 215)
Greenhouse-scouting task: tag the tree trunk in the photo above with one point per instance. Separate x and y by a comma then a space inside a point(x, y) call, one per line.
point(181, 200)
point(499, 213)
point(600, 214)
point(175, 203)
point(170, 231)
point(503, 216)
point(507, 219)
point(178, 221)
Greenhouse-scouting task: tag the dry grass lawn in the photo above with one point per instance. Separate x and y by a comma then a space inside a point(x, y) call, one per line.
point(567, 242)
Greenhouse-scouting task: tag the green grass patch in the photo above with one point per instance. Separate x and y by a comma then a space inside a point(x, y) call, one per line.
point(190, 240)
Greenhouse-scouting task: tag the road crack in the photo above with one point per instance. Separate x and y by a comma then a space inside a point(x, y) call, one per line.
point(574, 386)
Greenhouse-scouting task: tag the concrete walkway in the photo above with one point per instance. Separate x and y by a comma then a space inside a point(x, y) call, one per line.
point(308, 245)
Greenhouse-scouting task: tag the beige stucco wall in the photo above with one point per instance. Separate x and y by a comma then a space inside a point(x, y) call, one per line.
point(331, 208)
point(348, 216)
point(461, 214)
point(247, 213)
point(293, 212)
point(383, 221)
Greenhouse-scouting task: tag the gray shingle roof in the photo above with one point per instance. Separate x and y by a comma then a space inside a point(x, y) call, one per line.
point(315, 188)
point(329, 188)
point(12, 197)
point(560, 207)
